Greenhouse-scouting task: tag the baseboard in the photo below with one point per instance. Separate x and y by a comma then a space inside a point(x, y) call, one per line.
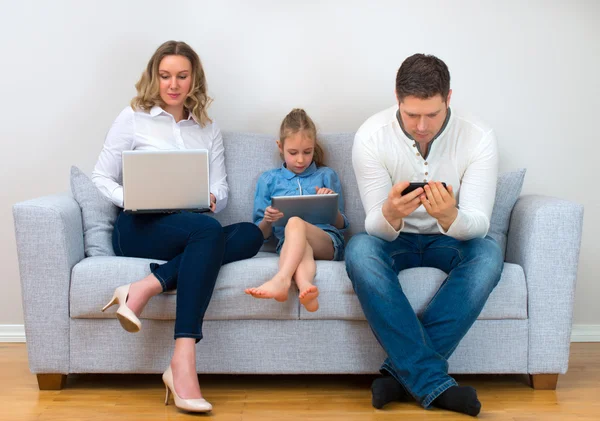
point(12, 333)
point(585, 333)
point(580, 333)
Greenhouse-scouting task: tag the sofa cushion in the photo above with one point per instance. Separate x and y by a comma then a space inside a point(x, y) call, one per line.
point(508, 190)
point(338, 301)
point(94, 279)
point(97, 212)
point(261, 150)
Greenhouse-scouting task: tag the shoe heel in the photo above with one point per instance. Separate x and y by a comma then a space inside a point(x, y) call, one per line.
point(112, 302)
point(167, 395)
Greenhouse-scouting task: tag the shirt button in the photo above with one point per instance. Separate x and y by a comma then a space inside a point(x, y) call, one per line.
point(426, 163)
point(426, 173)
point(418, 154)
point(425, 181)
point(414, 145)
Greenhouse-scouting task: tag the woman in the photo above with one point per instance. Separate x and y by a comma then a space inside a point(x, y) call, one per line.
point(170, 112)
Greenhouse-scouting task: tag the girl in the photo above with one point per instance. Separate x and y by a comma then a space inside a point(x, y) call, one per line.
point(300, 242)
point(170, 112)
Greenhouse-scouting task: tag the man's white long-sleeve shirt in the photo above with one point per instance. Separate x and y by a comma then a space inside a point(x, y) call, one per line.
point(464, 155)
point(157, 130)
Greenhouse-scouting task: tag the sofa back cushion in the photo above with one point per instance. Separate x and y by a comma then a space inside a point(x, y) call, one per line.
point(508, 190)
point(98, 215)
point(247, 156)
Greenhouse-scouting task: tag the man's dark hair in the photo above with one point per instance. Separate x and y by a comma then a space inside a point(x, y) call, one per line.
point(422, 76)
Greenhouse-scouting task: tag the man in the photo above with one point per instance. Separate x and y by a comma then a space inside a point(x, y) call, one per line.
point(422, 140)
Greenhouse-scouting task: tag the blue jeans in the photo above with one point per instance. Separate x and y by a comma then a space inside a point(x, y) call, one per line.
point(418, 348)
point(195, 246)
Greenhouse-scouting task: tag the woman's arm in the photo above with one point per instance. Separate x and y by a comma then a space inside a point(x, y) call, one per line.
point(108, 172)
point(218, 174)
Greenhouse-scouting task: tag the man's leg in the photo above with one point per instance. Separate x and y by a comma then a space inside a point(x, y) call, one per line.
point(474, 268)
point(373, 265)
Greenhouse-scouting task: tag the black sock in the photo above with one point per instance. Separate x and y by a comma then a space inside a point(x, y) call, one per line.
point(385, 390)
point(459, 399)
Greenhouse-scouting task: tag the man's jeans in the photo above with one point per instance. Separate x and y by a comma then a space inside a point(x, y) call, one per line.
point(195, 246)
point(418, 348)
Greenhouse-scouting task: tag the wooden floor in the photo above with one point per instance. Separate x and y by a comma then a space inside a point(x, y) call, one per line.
point(306, 398)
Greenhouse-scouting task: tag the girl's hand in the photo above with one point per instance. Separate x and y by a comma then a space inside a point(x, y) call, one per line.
point(272, 215)
point(324, 190)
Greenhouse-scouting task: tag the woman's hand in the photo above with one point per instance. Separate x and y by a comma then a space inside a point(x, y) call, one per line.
point(272, 215)
point(324, 190)
point(213, 202)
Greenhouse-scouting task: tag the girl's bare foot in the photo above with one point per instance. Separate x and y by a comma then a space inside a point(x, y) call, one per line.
point(308, 297)
point(276, 288)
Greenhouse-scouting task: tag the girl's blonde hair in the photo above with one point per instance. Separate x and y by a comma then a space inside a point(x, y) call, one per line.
point(148, 95)
point(297, 120)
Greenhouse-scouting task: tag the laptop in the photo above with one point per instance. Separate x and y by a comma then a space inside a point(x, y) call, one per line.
point(166, 181)
point(313, 208)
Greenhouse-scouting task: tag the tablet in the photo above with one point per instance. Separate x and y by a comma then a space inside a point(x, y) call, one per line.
point(313, 208)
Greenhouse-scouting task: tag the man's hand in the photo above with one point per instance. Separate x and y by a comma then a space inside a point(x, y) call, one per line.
point(440, 203)
point(398, 206)
point(324, 190)
point(272, 215)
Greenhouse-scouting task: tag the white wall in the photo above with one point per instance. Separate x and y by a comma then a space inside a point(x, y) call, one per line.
point(531, 69)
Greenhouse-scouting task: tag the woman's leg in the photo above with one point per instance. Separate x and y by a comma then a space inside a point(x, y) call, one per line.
point(197, 243)
point(159, 236)
point(242, 241)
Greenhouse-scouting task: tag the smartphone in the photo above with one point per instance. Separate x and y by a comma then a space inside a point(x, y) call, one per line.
point(415, 186)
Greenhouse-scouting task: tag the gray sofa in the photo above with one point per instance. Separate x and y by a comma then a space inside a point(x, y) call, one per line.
point(524, 328)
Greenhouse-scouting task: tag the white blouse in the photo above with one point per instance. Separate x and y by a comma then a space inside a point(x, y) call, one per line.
point(158, 130)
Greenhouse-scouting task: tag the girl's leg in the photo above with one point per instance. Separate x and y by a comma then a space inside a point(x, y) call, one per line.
point(304, 277)
point(318, 246)
point(298, 234)
point(291, 255)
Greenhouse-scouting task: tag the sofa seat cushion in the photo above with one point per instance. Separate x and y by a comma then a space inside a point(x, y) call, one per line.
point(338, 301)
point(94, 279)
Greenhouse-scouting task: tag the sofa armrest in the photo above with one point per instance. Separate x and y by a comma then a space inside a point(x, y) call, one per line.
point(49, 236)
point(544, 237)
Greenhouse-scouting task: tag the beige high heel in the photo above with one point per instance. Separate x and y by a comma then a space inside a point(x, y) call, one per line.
point(191, 405)
point(126, 316)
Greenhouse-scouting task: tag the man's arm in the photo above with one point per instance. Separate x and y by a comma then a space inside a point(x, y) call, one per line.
point(385, 207)
point(477, 193)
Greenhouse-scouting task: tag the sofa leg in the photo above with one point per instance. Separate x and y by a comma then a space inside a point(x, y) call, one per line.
point(51, 381)
point(543, 381)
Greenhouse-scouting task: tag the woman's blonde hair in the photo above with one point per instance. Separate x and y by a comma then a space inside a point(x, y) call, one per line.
point(297, 120)
point(148, 95)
